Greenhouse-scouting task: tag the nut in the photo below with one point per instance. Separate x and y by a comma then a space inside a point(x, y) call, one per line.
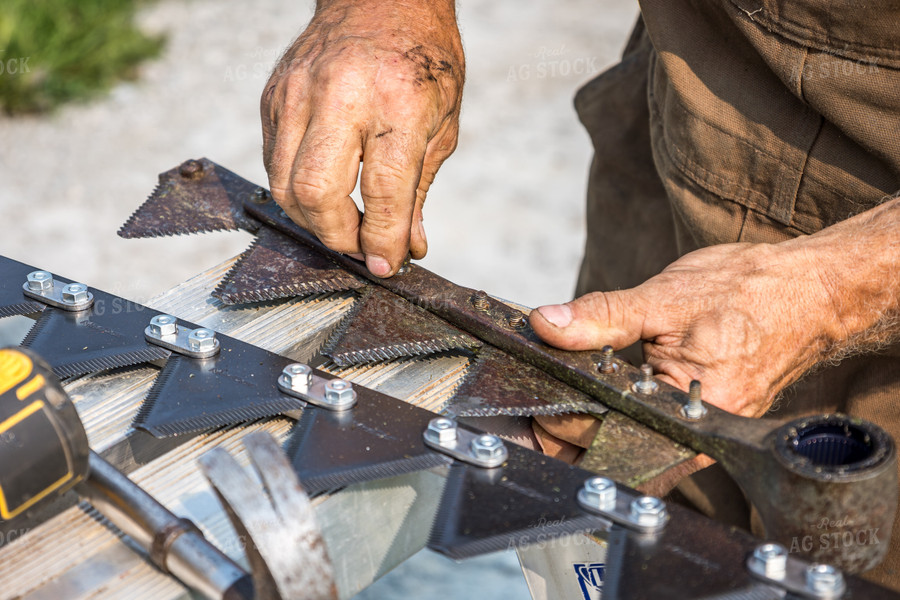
point(648, 511)
point(443, 429)
point(771, 560)
point(75, 293)
point(824, 579)
point(339, 392)
point(202, 340)
point(487, 447)
point(40, 281)
point(298, 377)
point(599, 493)
point(162, 325)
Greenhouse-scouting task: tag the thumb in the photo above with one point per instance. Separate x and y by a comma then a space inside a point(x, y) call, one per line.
point(592, 321)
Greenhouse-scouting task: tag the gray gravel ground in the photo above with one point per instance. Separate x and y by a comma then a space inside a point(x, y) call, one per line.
point(505, 213)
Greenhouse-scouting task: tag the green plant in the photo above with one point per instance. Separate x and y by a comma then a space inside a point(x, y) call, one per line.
point(54, 51)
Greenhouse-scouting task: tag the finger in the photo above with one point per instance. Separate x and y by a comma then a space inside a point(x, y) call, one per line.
point(323, 175)
point(592, 321)
point(439, 149)
point(284, 125)
point(392, 167)
point(579, 430)
point(552, 446)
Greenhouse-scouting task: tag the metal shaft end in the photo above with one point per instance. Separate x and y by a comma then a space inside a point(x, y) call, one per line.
point(606, 365)
point(646, 385)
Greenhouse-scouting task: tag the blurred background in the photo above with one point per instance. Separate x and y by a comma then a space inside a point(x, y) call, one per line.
point(98, 96)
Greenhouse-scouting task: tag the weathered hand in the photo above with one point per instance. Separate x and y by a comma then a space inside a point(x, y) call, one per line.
point(377, 82)
point(746, 320)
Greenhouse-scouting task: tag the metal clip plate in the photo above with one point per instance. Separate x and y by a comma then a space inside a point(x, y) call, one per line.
point(479, 449)
point(330, 394)
point(623, 506)
point(799, 577)
point(181, 341)
point(41, 286)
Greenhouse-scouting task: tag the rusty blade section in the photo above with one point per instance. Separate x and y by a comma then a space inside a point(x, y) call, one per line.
point(196, 196)
point(499, 384)
point(384, 326)
point(275, 266)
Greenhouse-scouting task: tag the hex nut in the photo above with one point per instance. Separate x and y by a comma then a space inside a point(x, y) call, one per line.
point(443, 429)
point(487, 447)
point(648, 511)
point(822, 579)
point(40, 281)
point(771, 560)
point(599, 493)
point(339, 392)
point(202, 340)
point(298, 377)
point(163, 325)
point(75, 293)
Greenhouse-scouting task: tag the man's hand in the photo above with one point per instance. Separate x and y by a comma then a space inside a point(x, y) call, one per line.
point(372, 81)
point(746, 320)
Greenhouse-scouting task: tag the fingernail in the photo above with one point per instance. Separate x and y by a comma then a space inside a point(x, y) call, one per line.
point(357, 255)
point(558, 314)
point(378, 266)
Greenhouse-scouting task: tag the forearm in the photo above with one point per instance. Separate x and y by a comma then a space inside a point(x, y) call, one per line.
point(858, 264)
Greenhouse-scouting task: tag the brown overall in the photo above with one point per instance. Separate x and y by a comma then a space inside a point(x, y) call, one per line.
point(752, 121)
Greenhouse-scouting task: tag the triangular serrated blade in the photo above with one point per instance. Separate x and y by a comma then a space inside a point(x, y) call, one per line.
point(237, 385)
point(381, 437)
point(275, 266)
point(194, 197)
point(110, 335)
point(384, 326)
point(12, 301)
point(499, 384)
point(531, 498)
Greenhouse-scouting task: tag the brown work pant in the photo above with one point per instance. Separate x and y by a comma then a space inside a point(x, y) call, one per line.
point(730, 123)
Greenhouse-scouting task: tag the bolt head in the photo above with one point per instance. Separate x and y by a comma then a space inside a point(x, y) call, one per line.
point(162, 325)
point(339, 392)
point(39, 281)
point(772, 558)
point(75, 293)
point(443, 429)
point(648, 511)
point(191, 169)
point(824, 578)
point(298, 376)
point(487, 447)
point(201, 340)
point(600, 492)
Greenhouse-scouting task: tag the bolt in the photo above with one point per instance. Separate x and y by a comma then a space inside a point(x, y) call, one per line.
point(260, 196)
point(517, 321)
point(404, 268)
point(40, 281)
point(443, 429)
point(645, 384)
point(339, 392)
point(823, 579)
point(694, 408)
point(772, 558)
point(191, 169)
point(162, 325)
point(480, 301)
point(75, 293)
point(487, 447)
point(606, 365)
point(648, 511)
point(201, 340)
point(600, 493)
point(298, 377)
